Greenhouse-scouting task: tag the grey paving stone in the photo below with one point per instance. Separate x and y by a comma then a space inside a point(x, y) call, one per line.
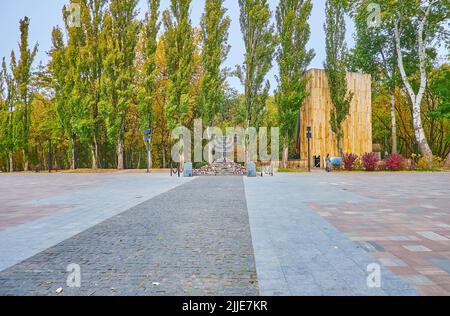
point(442, 263)
point(188, 244)
point(317, 259)
point(91, 206)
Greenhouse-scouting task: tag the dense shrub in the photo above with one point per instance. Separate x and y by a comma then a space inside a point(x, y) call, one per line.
point(394, 162)
point(349, 161)
point(425, 163)
point(370, 161)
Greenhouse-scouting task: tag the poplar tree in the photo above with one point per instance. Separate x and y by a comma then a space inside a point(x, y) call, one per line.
point(150, 45)
point(122, 33)
point(293, 59)
point(22, 73)
point(7, 101)
point(69, 84)
point(336, 66)
point(92, 56)
point(179, 51)
point(375, 53)
point(3, 110)
point(214, 27)
point(260, 44)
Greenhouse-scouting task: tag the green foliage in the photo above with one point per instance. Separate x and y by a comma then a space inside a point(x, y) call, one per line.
point(121, 33)
point(439, 85)
point(91, 68)
point(260, 43)
point(6, 94)
point(22, 76)
point(293, 59)
point(150, 72)
point(336, 66)
point(214, 28)
point(179, 51)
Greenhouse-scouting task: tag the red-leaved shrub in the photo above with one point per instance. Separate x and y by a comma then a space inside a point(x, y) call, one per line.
point(394, 162)
point(349, 161)
point(370, 161)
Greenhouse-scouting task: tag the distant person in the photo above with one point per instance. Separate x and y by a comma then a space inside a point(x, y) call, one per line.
point(328, 163)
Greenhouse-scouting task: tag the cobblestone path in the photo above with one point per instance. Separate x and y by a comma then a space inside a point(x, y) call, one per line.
point(179, 243)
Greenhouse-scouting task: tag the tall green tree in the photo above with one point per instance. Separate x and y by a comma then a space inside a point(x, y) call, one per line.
point(3, 112)
point(260, 43)
point(423, 22)
point(150, 71)
point(440, 87)
point(22, 73)
point(375, 53)
point(214, 27)
point(336, 66)
point(10, 101)
point(293, 59)
point(8, 91)
point(179, 51)
point(122, 30)
point(69, 84)
point(92, 56)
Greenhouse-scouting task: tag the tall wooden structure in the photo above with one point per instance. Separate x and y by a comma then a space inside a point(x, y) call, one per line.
point(316, 111)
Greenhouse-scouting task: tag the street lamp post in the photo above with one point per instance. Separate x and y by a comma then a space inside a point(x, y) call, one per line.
point(309, 136)
point(148, 140)
point(50, 156)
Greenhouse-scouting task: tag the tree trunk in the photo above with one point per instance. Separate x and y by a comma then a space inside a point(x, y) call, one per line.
point(73, 158)
point(339, 141)
point(286, 157)
point(210, 145)
point(164, 157)
point(247, 144)
point(416, 99)
point(11, 162)
point(26, 164)
point(149, 156)
point(447, 163)
point(419, 132)
point(94, 151)
point(394, 125)
point(120, 154)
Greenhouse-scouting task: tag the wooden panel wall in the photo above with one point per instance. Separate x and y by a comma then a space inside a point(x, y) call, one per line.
point(316, 114)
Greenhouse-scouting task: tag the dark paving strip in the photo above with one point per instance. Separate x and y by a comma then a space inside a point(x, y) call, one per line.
point(193, 240)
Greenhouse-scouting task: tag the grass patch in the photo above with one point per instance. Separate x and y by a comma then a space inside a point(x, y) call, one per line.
point(288, 170)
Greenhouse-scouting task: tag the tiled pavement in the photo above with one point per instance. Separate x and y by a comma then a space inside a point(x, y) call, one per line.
point(179, 243)
point(38, 211)
point(406, 224)
point(312, 234)
point(297, 252)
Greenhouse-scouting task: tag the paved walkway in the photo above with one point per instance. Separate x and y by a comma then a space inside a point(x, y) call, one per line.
point(405, 224)
point(179, 243)
point(293, 234)
point(38, 211)
point(298, 252)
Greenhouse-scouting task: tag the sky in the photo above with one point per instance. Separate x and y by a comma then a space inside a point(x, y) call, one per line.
point(45, 14)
